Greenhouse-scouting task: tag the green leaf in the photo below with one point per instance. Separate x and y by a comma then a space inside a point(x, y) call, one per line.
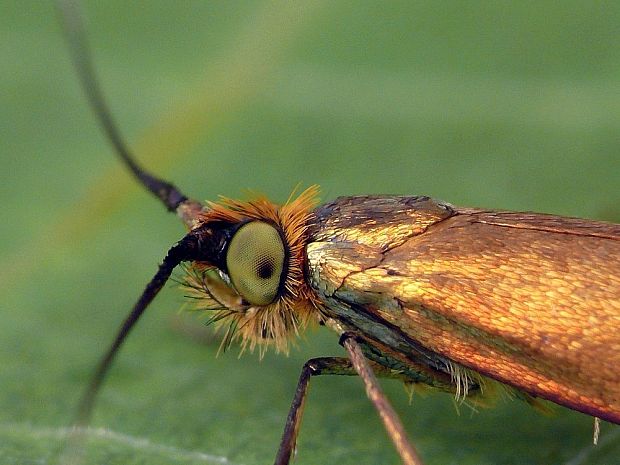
point(485, 104)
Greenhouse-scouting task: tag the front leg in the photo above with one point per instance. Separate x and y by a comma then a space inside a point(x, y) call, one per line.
point(356, 365)
point(388, 415)
point(313, 367)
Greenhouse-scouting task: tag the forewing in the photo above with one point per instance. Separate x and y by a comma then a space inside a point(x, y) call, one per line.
point(530, 300)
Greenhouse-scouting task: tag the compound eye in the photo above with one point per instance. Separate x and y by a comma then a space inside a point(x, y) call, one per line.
point(255, 260)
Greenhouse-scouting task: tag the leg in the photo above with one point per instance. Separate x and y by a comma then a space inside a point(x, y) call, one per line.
point(390, 419)
point(313, 367)
point(357, 365)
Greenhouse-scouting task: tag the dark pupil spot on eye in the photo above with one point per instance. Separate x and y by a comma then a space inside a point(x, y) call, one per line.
point(264, 269)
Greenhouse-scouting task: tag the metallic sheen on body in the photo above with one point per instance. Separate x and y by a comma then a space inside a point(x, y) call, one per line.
point(530, 300)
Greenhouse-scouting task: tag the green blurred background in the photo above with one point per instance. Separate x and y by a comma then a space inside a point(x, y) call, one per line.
point(493, 104)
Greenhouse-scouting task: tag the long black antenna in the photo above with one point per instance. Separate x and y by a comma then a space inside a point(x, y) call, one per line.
point(186, 249)
point(75, 34)
point(199, 244)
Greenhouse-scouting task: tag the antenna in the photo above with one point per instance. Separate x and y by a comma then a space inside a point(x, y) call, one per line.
point(201, 243)
point(182, 251)
point(73, 28)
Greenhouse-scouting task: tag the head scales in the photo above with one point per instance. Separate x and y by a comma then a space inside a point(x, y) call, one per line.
point(276, 323)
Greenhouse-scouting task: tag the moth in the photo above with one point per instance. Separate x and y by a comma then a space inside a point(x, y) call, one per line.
point(463, 300)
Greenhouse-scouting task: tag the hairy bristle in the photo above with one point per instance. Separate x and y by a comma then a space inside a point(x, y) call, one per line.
point(255, 326)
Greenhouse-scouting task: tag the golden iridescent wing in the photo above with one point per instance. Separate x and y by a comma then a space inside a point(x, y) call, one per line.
point(530, 300)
